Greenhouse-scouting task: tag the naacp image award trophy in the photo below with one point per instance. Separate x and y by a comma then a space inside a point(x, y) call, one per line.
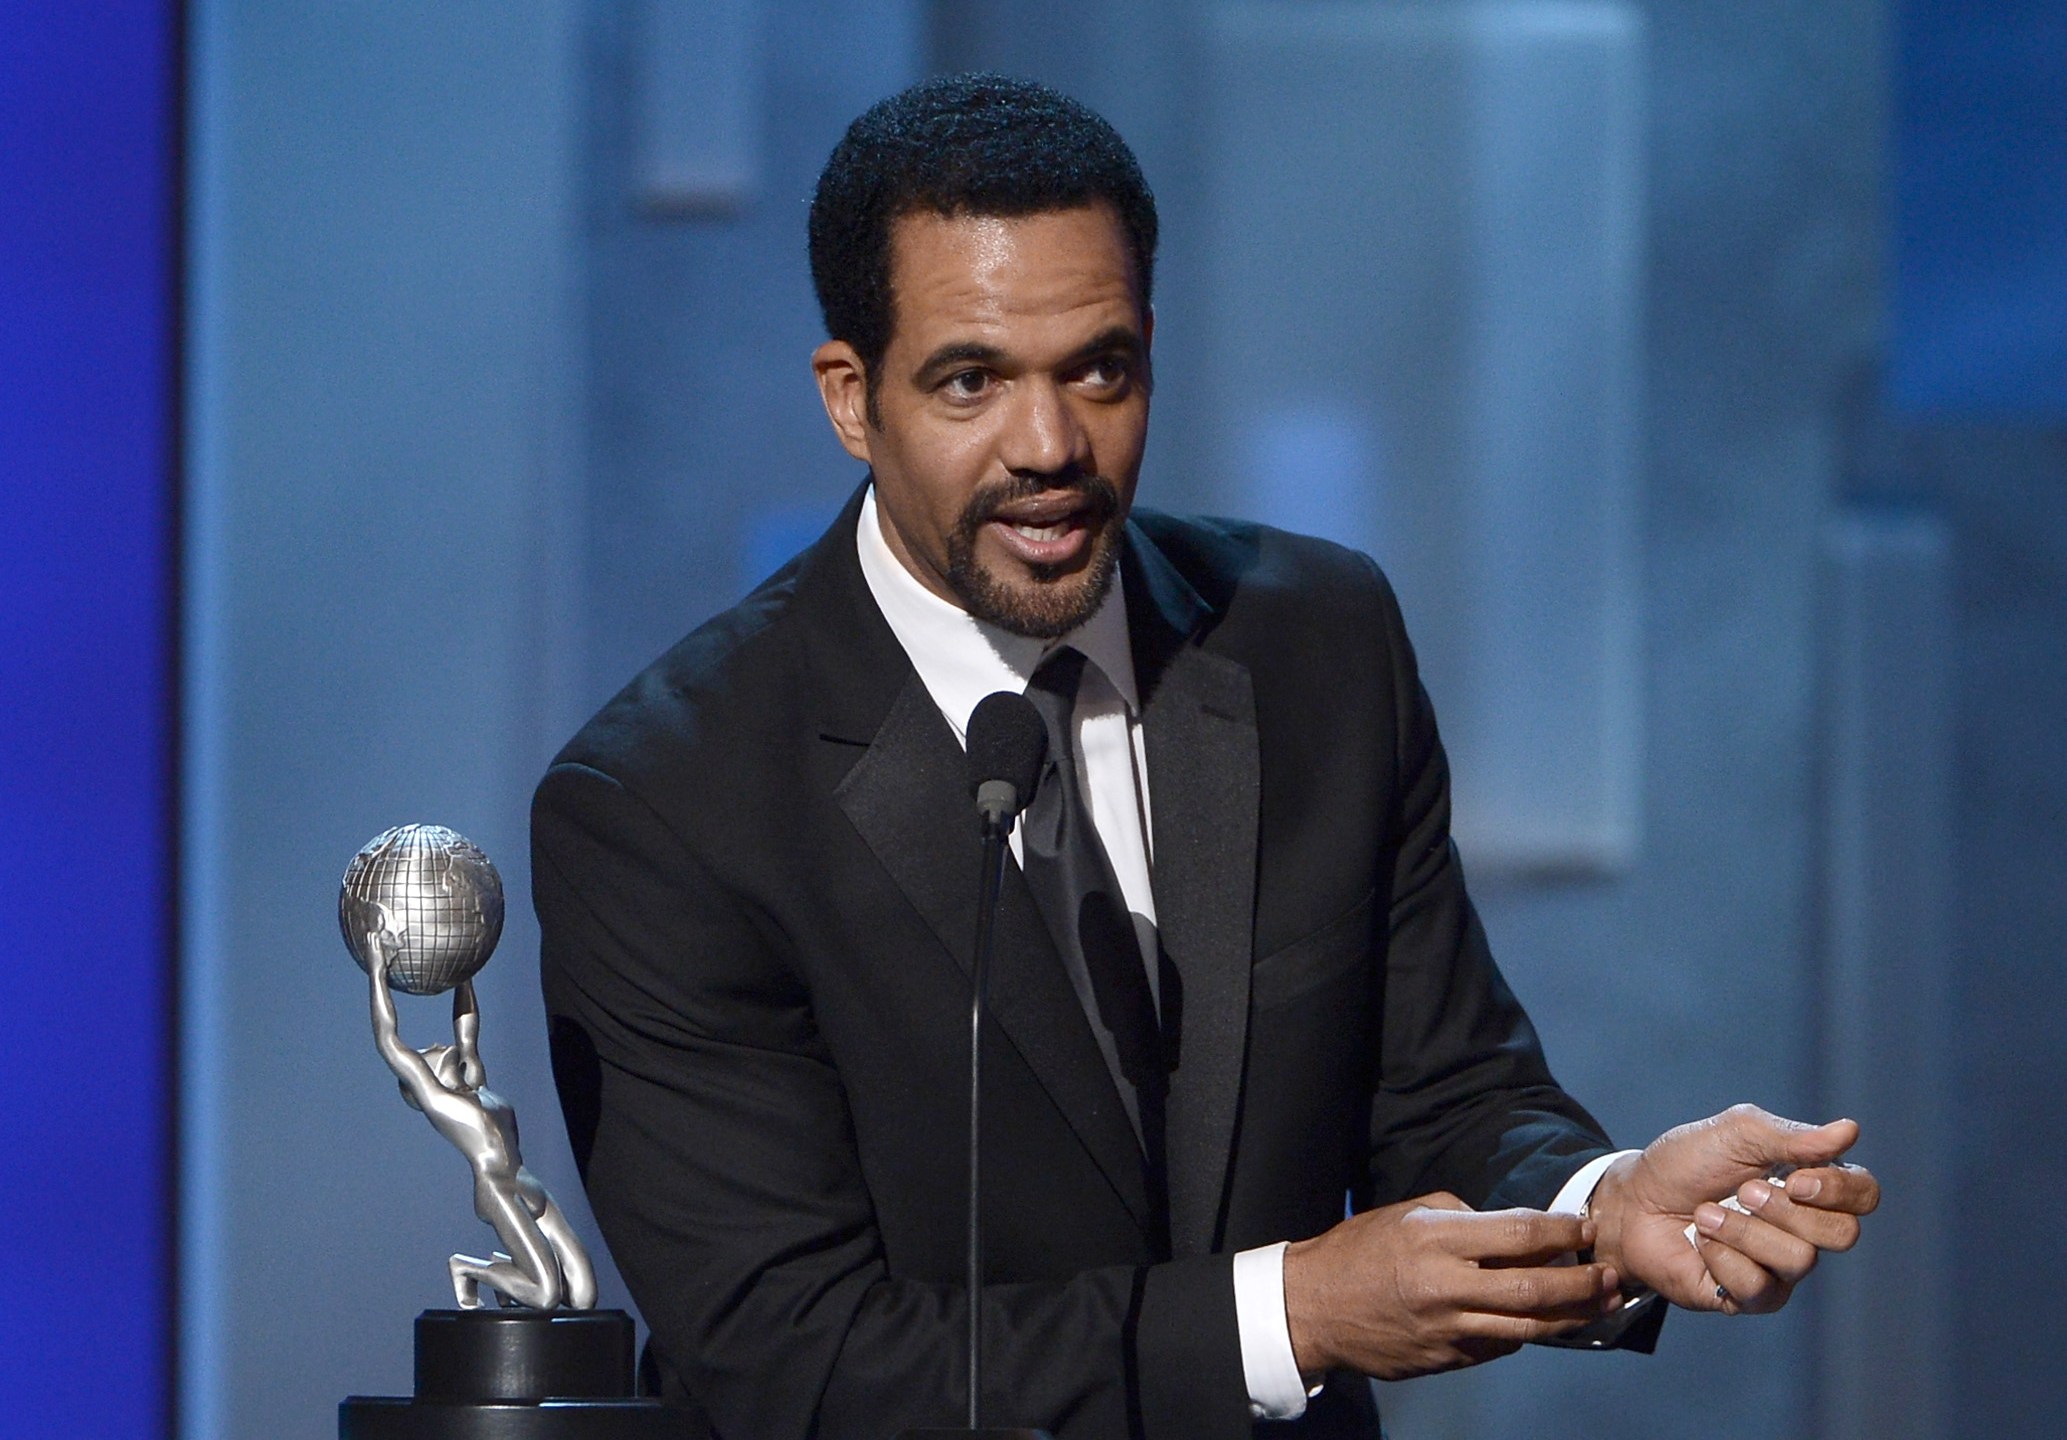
point(421, 910)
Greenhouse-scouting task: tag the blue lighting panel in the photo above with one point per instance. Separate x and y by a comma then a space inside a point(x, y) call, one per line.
point(88, 172)
point(1980, 292)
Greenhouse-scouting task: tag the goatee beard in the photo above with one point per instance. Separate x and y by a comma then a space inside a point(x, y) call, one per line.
point(1059, 600)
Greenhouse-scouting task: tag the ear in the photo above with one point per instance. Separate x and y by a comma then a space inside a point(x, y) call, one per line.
point(843, 386)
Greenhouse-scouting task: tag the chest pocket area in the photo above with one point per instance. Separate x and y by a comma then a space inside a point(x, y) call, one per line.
point(1319, 962)
point(1307, 1088)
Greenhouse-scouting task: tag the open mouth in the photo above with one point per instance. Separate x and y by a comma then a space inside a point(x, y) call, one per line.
point(1044, 525)
point(1049, 529)
point(1056, 532)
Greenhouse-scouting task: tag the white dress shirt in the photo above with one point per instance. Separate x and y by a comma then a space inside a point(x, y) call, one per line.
point(960, 660)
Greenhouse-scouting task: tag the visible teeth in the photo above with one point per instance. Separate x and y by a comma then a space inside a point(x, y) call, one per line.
point(1044, 532)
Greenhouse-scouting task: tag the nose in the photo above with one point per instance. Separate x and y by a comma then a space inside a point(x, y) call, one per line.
point(1044, 435)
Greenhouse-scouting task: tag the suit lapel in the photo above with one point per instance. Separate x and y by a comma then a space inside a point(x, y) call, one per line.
point(1199, 716)
point(908, 797)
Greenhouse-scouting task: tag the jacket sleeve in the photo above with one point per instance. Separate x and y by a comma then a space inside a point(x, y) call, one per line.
point(713, 1136)
point(1465, 1100)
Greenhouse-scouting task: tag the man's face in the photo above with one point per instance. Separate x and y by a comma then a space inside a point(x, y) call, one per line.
point(1011, 410)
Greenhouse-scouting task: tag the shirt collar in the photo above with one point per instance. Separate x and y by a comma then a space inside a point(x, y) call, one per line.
point(961, 659)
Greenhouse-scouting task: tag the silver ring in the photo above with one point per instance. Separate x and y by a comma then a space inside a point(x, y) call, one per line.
point(1722, 1293)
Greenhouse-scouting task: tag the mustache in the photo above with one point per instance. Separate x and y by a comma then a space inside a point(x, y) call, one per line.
point(1100, 496)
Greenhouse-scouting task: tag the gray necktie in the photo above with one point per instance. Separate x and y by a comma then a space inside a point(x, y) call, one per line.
point(1073, 885)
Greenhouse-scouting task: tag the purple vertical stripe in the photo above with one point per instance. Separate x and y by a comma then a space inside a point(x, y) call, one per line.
point(88, 255)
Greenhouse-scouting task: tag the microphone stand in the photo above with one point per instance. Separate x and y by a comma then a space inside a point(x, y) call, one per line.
point(994, 833)
point(998, 811)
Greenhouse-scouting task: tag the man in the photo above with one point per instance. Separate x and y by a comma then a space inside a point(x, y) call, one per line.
point(755, 873)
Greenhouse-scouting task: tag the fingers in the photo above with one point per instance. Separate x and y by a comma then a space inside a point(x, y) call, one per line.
point(1850, 1189)
point(1562, 1295)
point(1828, 1221)
point(1759, 1257)
point(1429, 1285)
point(1783, 1254)
point(1511, 1332)
point(1676, 1270)
point(1745, 1286)
point(1477, 1349)
point(1515, 1237)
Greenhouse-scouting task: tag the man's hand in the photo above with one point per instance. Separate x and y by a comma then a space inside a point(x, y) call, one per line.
point(1431, 1284)
point(1741, 1262)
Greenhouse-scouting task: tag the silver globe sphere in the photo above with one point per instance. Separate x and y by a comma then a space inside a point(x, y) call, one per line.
point(433, 898)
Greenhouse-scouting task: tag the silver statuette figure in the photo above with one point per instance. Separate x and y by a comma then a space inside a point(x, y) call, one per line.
point(421, 910)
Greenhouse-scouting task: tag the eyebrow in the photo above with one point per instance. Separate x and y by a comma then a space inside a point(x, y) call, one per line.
point(1121, 338)
point(1114, 338)
point(961, 352)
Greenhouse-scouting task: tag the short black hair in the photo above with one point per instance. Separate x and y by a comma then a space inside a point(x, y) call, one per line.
point(959, 145)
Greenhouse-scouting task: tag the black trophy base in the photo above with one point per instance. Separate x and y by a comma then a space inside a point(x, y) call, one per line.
point(382, 1417)
point(514, 1375)
point(988, 1432)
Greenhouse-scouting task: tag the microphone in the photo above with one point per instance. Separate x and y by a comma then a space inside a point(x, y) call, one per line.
point(1007, 744)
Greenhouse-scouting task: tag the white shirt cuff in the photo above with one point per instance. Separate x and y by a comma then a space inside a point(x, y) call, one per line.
point(1574, 1199)
point(1578, 1190)
point(1276, 1391)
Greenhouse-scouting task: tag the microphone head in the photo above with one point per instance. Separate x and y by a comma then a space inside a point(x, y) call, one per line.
point(1007, 745)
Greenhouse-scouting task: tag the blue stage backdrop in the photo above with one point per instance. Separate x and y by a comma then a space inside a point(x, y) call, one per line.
point(1980, 292)
point(88, 165)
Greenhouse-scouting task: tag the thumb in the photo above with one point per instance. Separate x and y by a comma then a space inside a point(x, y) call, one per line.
point(1761, 1139)
point(1707, 1159)
point(1818, 1144)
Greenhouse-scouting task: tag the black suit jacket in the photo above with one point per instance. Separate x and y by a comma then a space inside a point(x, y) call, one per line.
point(755, 873)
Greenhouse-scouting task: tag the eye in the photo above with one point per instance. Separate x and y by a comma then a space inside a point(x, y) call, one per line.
point(1106, 374)
point(967, 385)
